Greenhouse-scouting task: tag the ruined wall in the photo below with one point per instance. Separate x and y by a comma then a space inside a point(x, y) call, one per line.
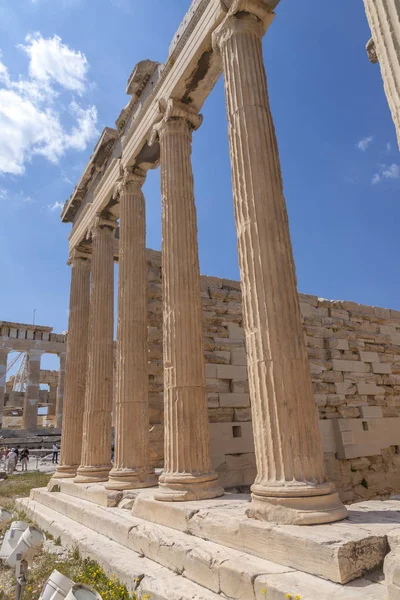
point(354, 354)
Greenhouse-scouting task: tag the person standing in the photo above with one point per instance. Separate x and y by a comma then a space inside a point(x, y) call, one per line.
point(12, 461)
point(55, 454)
point(24, 459)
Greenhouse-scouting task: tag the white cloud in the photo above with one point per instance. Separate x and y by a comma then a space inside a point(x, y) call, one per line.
point(386, 172)
point(376, 179)
point(388, 147)
point(364, 143)
point(30, 122)
point(51, 60)
point(56, 206)
point(391, 172)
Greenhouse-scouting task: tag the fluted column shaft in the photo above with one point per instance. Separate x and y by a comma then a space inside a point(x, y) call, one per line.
point(3, 374)
point(76, 366)
point(96, 441)
point(188, 473)
point(288, 447)
point(60, 390)
point(384, 20)
point(32, 393)
point(131, 463)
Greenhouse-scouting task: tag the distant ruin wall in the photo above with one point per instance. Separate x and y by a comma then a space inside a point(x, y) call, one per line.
point(354, 354)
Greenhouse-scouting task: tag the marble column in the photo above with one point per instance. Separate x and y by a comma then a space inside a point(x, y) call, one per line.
point(384, 20)
point(32, 393)
point(60, 390)
point(51, 409)
point(291, 485)
point(132, 462)
point(76, 366)
point(188, 473)
point(96, 440)
point(3, 374)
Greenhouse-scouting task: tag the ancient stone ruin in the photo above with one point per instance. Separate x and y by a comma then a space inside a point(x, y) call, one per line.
point(220, 384)
point(19, 408)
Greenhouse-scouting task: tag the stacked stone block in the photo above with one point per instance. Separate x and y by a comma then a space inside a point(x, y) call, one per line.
point(354, 356)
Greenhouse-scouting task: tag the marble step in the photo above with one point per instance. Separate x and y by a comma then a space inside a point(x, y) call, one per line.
point(141, 575)
point(339, 552)
point(221, 570)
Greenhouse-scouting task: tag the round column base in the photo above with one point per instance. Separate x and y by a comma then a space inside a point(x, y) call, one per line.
point(187, 488)
point(129, 479)
point(65, 471)
point(92, 474)
point(303, 510)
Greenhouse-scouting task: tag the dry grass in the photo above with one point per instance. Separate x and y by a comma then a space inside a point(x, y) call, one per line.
point(69, 564)
point(19, 486)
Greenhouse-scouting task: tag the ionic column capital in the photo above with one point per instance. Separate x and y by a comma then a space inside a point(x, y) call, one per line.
point(133, 179)
point(103, 225)
point(76, 256)
point(176, 112)
point(245, 16)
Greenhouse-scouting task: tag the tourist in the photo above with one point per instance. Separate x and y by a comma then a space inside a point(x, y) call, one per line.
point(24, 459)
point(12, 461)
point(55, 454)
point(17, 452)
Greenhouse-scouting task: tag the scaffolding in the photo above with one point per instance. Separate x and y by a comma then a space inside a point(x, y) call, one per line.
point(21, 377)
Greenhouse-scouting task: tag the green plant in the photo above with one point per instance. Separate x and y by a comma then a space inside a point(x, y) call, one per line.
point(364, 483)
point(79, 570)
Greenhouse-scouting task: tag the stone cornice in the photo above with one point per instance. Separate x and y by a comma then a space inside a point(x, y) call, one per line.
point(189, 74)
point(138, 80)
point(96, 163)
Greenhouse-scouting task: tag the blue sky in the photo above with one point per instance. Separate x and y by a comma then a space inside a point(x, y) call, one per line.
point(63, 71)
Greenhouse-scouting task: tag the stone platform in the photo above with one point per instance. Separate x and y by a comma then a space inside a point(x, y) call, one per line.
point(204, 549)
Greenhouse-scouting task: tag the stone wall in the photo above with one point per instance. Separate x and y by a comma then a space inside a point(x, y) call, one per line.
point(354, 354)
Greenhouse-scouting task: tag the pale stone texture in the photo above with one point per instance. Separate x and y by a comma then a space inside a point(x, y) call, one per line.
point(217, 548)
point(96, 442)
point(291, 484)
point(60, 391)
point(384, 21)
point(131, 466)
point(345, 334)
point(30, 416)
point(392, 574)
point(51, 410)
point(3, 371)
point(76, 365)
point(188, 472)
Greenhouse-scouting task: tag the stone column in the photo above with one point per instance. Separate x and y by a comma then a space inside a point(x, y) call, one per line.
point(131, 463)
point(384, 21)
point(51, 410)
point(188, 473)
point(76, 366)
point(96, 442)
point(60, 390)
point(3, 374)
point(31, 401)
point(291, 485)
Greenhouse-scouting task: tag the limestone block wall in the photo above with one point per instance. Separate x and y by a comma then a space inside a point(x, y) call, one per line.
point(354, 354)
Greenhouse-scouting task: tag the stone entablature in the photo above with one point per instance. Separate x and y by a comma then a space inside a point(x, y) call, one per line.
point(186, 76)
point(23, 331)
